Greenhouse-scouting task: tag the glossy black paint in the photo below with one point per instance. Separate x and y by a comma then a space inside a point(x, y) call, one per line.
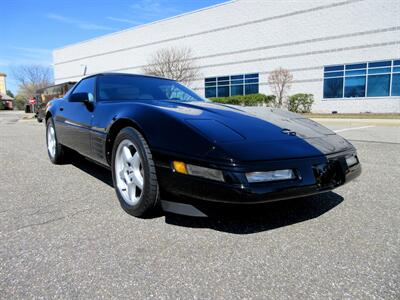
point(233, 139)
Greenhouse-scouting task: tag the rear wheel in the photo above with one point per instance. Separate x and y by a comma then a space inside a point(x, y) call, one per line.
point(134, 174)
point(55, 150)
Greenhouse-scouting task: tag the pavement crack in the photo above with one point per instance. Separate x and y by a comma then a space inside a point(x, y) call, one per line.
point(53, 220)
point(39, 212)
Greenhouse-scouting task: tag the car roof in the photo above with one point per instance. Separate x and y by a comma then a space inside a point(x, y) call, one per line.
point(127, 74)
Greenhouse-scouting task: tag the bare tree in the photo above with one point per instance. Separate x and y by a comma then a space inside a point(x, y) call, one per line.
point(174, 63)
point(31, 77)
point(280, 80)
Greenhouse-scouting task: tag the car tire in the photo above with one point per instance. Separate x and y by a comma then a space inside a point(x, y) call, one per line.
point(134, 175)
point(55, 150)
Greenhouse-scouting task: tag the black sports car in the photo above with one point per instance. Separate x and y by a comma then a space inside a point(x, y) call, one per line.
point(162, 141)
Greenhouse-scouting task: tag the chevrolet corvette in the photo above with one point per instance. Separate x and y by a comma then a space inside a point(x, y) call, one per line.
point(163, 141)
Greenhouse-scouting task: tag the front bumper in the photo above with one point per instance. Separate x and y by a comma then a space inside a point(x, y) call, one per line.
point(314, 175)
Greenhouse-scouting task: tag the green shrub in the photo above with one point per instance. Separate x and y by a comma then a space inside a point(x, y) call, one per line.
point(247, 100)
point(301, 103)
point(20, 102)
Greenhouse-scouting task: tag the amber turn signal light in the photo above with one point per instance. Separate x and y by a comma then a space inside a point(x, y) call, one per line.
point(179, 167)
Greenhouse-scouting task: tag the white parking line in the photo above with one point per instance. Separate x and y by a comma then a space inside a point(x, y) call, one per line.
point(353, 128)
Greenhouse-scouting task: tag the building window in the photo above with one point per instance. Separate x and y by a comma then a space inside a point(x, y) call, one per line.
point(235, 85)
point(378, 85)
point(396, 78)
point(355, 79)
point(333, 88)
point(237, 90)
point(211, 90)
point(396, 85)
point(379, 79)
point(372, 79)
point(223, 91)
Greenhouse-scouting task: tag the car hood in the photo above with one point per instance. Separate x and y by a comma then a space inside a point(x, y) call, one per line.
point(256, 133)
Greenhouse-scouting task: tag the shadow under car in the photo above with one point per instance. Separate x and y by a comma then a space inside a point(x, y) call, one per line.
point(236, 218)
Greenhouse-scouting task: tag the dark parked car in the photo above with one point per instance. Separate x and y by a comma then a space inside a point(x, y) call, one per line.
point(44, 95)
point(161, 140)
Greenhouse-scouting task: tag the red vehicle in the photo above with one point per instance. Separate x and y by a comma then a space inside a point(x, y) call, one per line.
point(7, 102)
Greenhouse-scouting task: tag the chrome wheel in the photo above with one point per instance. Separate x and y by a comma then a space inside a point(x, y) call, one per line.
point(129, 172)
point(51, 141)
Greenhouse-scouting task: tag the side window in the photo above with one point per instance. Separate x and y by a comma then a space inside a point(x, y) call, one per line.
point(86, 86)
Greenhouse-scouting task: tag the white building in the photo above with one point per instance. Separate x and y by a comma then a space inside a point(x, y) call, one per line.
point(345, 52)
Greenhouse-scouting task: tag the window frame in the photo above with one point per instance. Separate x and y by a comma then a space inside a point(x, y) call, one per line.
point(99, 99)
point(233, 80)
point(72, 90)
point(376, 65)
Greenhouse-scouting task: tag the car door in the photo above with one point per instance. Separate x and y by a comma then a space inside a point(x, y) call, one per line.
point(74, 118)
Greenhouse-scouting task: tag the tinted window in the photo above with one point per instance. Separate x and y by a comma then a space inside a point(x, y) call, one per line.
point(396, 85)
point(379, 70)
point(356, 66)
point(333, 68)
point(374, 76)
point(223, 79)
point(236, 77)
point(252, 80)
point(237, 90)
point(333, 88)
point(333, 74)
point(251, 89)
point(356, 72)
point(378, 85)
point(125, 87)
point(211, 92)
point(380, 64)
point(211, 87)
point(235, 85)
point(223, 91)
point(86, 86)
point(354, 87)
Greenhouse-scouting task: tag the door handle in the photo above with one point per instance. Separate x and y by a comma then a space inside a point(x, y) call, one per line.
point(61, 108)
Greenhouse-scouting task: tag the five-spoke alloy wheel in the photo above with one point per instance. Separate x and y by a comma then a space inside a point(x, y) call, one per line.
point(134, 175)
point(55, 150)
point(129, 170)
point(51, 141)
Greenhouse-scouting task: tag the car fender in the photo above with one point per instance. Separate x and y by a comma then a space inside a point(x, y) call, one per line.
point(162, 131)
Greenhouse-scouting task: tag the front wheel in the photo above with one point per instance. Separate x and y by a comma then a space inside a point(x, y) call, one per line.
point(55, 150)
point(134, 175)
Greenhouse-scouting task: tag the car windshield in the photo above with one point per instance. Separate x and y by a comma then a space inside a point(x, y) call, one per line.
point(125, 87)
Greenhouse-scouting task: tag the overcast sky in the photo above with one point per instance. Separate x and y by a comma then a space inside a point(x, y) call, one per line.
point(31, 29)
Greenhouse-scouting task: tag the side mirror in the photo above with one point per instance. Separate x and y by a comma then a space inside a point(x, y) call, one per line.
point(79, 97)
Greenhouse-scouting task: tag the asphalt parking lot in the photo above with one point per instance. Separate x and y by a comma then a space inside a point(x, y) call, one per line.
point(64, 235)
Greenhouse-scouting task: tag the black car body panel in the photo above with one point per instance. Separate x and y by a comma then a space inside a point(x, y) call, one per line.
point(233, 139)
